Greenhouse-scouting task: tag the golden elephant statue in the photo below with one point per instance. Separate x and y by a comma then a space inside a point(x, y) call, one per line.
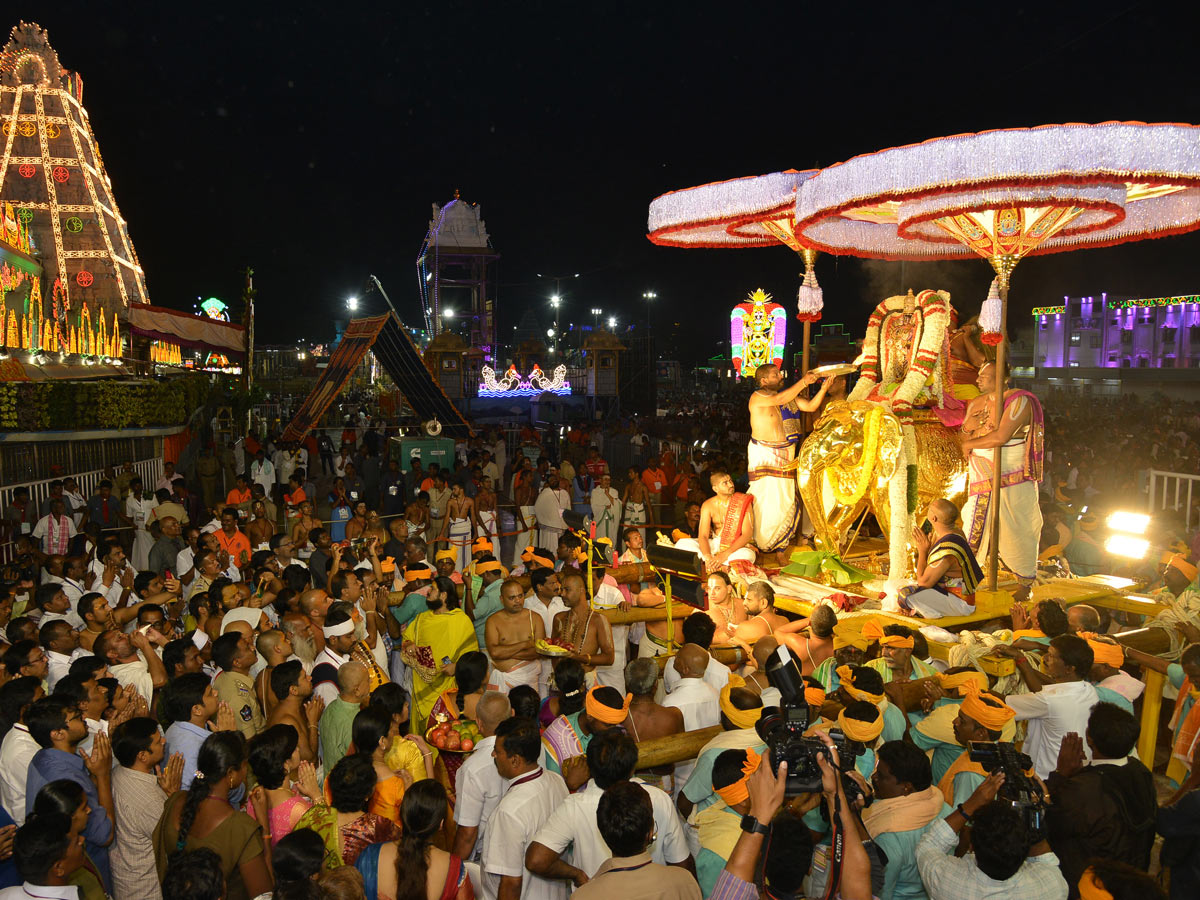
point(859, 456)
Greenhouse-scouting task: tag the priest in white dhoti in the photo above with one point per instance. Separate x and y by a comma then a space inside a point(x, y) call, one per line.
point(1019, 433)
point(726, 529)
point(548, 508)
point(606, 509)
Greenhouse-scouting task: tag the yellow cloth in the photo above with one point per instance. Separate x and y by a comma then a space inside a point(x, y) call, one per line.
point(956, 683)
point(603, 713)
point(718, 829)
point(846, 676)
point(858, 730)
point(1028, 633)
point(960, 765)
point(814, 696)
point(449, 634)
point(405, 756)
point(1105, 652)
point(741, 718)
point(735, 793)
point(905, 813)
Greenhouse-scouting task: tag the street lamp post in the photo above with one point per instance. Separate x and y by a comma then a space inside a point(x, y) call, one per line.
point(648, 296)
point(596, 314)
point(556, 302)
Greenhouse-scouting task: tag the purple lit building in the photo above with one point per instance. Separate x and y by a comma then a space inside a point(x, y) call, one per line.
point(1081, 342)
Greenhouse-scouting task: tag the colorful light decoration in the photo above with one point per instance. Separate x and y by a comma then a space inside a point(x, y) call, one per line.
point(757, 332)
point(1048, 310)
point(511, 384)
point(164, 353)
point(1004, 195)
point(217, 309)
point(1151, 302)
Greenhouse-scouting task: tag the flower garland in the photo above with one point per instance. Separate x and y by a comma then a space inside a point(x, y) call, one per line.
point(932, 309)
point(872, 423)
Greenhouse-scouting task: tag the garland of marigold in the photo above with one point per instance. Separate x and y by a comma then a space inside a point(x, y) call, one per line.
point(872, 425)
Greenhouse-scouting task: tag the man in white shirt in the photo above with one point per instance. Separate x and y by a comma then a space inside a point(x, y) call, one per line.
point(611, 757)
point(531, 796)
point(111, 574)
point(698, 630)
point(338, 630)
point(55, 530)
point(1063, 703)
point(694, 697)
point(131, 660)
point(61, 643)
point(18, 747)
point(478, 785)
point(52, 600)
point(262, 472)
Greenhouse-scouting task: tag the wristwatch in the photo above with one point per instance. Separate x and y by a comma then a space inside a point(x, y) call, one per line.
point(751, 825)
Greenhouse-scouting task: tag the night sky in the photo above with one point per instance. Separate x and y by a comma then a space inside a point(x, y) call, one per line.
point(310, 145)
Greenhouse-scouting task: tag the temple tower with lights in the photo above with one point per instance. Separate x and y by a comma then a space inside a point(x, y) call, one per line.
point(457, 276)
point(52, 177)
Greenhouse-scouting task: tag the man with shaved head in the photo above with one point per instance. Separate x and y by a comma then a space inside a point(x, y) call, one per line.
point(947, 571)
point(815, 644)
point(694, 697)
point(1082, 617)
point(273, 647)
point(337, 721)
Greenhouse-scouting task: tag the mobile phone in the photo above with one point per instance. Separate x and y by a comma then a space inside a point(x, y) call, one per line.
point(445, 660)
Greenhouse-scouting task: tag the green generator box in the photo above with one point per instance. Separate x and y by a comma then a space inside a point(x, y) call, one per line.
point(427, 450)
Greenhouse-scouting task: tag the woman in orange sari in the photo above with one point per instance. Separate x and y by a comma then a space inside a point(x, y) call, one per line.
point(459, 702)
point(373, 732)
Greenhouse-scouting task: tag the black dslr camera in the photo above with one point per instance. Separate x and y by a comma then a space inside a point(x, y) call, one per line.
point(782, 730)
point(1019, 790)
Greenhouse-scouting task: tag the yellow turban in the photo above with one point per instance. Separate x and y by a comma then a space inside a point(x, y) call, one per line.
point(846, 676)
point(490, 566)
point(896, 640)
point(990, 712)
point(872, 630)
point(814, 696)
point(1180, 562)
point(739, 791)
point(845, 636)
point(606, 714)
point(957, 683)
point(741, 718)
point(1090, 887)
point(544, 561)
point(1106, 652)
point(858, 730)
point(423, 573)
point(445, 554)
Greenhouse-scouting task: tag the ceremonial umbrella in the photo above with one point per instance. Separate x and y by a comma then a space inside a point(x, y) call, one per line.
point(1005, 195)
point(755, 211)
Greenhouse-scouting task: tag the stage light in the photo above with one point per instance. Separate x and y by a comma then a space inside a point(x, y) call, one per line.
point(352, 303)
point(1127, 546)
point(550, 332)
point(448, 313)
point(612, 321)
point(555, 300)
point(1129, 522)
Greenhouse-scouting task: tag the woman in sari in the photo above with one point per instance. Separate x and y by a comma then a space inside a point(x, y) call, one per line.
point(290, 785)
point(458, 702)
point(412, 868)
point(373, 734)
point(435, 640)
point(566, 691)
point(346, 826)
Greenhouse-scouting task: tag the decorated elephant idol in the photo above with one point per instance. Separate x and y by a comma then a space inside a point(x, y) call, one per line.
point(892, 445)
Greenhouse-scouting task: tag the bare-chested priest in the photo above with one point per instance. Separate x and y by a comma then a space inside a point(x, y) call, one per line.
point(585, 629)
point(771, 454)
point(511, 634)
point(726, 527)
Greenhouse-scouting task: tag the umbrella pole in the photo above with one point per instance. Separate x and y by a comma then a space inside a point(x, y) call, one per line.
point(993, 560)
point(804, 359)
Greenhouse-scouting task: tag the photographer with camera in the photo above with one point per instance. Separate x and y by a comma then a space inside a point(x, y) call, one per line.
point(789, 849)
point(1104, 809)
point(1005, 860)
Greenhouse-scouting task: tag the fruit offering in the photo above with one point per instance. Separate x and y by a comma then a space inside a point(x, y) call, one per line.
point(553, 647)
point(459, 736)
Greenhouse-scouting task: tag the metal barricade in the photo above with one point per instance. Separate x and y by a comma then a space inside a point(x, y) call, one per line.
point(1174, 491)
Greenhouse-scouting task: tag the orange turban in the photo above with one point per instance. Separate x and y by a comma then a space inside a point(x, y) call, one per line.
point(990, 712)
point(895, 640)
point(957, 683)
point(1106, 652)
point(490, 566)
point(481, 545)
point(739, 791)
point(527, 553)
point(606, 714)
point(1179, 561)
point(872, 630)
point(814, 696)
point(422, 573)
point(858, 730)
point(387, 564)
point(846, 676)
point(544, 561)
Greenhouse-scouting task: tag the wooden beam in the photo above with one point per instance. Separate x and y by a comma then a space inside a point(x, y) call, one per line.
point(674, 747)
point(1149, 640)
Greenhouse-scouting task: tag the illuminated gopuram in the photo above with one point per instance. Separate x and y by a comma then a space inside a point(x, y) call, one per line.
point(52, 176)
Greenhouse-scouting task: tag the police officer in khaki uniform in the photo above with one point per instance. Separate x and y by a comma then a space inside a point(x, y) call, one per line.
point(235, 656)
